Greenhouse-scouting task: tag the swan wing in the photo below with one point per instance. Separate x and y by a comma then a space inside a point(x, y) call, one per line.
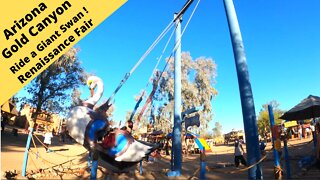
point(136, 151)
point(77, 122)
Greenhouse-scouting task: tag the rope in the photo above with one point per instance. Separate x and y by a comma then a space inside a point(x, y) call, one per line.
point(249, 167)
point(54, 164)
point(58, 165)
point(278, 171)
point(61, 164)
point(224, 151)
point(34, 162)
point(72, 155)
point(34, 144)
point(235, 171)
point(56, 152)
point(43, 158)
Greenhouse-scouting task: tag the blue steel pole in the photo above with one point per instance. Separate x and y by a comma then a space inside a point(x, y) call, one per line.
point(314, 137)
point(203, 164)
point(93, 163)
point(275, 153)
point(172, 163)
point(247, 103)
point(141, 170)
point(94, 167)
point(176, 144)
point(26, 153)
point(286, 156)
point(89, 160)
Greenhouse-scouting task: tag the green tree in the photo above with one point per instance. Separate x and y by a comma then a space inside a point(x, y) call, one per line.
point(217, 130)
point(51, 89)
point(198, 78)
point(264, 120)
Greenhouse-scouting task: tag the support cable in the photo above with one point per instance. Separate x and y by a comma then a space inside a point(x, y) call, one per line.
point(158, 80)
point(152, 74)
point(106, 105)
point(127, 75)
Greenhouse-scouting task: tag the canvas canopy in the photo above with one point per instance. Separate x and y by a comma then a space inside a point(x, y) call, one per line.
point(306, 109)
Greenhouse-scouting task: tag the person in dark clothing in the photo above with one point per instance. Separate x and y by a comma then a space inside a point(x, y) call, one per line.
point(238, 153)
point(262, 147)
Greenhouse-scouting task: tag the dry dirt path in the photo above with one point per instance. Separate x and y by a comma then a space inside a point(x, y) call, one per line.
point(12, 153)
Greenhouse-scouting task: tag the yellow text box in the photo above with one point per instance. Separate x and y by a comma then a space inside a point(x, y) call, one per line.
point(33, 34)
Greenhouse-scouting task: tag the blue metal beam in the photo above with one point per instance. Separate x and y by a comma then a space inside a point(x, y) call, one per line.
point(176, 144)
point(287, 159)
point(275, 153)
point(26, 153)
point(247, 103)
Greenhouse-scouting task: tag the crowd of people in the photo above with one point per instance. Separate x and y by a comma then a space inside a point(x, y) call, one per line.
point(300, 131)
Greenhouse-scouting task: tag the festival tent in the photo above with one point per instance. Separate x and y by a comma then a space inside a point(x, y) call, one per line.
point(306, 109)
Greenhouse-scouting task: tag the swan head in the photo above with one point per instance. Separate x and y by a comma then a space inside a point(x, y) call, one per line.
point(94, 82)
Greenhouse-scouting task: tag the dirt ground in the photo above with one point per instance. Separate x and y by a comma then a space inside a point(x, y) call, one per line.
point(69, 161)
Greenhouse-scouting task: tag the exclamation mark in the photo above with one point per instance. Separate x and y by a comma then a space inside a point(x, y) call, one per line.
point(85, 9)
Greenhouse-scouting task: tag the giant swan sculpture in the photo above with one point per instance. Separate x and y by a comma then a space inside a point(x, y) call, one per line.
point(79, 116)
point(86, 125)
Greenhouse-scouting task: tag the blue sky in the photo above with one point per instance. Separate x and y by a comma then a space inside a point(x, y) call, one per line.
point(281, 40)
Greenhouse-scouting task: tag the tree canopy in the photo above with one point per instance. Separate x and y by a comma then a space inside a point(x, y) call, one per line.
point(217, 130)
point(198, 77)
point(51, 89)
point(264, 120)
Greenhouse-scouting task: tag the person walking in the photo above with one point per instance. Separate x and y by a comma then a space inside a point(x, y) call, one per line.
point(47, 139)
point(238, 153)
point(300, 132)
